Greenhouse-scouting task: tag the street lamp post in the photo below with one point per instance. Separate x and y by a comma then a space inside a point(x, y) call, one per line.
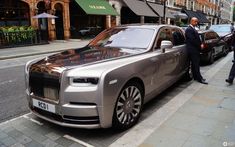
point(164, 11)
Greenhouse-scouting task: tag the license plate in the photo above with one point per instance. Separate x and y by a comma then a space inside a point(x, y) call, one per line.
point(44, 106)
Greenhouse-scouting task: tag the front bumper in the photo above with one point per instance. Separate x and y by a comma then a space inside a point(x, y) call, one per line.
point(69, 115)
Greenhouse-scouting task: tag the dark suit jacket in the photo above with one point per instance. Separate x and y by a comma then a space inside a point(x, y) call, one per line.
point(193, 42)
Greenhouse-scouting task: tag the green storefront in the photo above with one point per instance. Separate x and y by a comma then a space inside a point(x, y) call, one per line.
point(90, 16)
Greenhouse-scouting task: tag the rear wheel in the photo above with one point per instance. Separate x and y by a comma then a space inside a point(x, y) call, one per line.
point(225, 50)
point(212, 57)
point(128, 106)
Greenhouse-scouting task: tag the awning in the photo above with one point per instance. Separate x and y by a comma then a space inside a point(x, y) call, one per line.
point(140, 8)
point(201, 17)
point(191, 14)
point(96, 7)
point(159, 9)
point(44, 15)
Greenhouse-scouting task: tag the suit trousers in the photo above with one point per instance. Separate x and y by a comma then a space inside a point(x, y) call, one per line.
point(232, 72)
point(195, 66)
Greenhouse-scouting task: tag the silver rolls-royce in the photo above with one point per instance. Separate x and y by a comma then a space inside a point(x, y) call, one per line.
point(107, 82)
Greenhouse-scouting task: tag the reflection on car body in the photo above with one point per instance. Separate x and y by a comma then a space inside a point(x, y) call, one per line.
point(107, 82)
point(223, 30)
point(88, 31)
point(213, 46)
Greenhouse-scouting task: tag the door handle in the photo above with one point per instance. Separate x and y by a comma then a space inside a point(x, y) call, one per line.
point(153, 59)
point(177, 54)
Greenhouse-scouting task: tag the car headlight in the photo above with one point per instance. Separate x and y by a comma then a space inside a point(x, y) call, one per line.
point(83, 81)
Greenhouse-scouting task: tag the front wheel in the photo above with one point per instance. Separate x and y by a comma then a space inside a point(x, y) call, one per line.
point(225, 50)
point(128, 106)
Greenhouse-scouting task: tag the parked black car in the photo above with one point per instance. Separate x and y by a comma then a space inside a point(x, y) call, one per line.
point(212, 46)
point(90, 31)
point(223, 30)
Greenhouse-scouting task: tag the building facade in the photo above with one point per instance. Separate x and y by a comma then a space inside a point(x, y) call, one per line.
point(226, 10)
point(76, 15)
point(72, 15)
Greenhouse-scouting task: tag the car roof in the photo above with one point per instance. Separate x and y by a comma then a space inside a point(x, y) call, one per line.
point(146, 25)
point(221, 25)
point(205, 31)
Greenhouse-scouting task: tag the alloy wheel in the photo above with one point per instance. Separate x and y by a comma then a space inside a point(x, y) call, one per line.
point(128, 106)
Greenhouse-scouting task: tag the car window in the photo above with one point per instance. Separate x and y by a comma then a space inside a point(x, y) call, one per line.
point(164, 34)
point(215, 35)
point(207, 36)
point(131, 38)
point(210, 35)
point(178, 37)
point(220, 28)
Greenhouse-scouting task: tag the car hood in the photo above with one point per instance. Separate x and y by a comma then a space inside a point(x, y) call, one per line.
point(59, 62)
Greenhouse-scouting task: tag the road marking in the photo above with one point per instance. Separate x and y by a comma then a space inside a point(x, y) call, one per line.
point(6, 82)
point(142, 130)
point(78, 141)
point(13, 119)
point(33, 120)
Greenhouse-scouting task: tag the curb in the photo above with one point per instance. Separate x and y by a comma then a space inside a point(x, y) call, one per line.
point(45, 52)
point(31, 54)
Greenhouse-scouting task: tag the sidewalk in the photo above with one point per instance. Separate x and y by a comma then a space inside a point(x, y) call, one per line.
point(200, 116)
point(54, 46)
point(206, 120)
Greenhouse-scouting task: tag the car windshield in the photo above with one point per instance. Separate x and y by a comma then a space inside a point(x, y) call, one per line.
point(130, 38)
point(220, 29)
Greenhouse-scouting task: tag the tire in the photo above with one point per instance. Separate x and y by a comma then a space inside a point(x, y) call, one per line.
point(225, 50)
point(212, 57)
point(128, 106)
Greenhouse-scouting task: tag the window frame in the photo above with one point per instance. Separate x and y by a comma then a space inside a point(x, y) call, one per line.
point(158, 47)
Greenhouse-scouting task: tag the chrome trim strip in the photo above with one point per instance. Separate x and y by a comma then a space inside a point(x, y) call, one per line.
point(113, 82)
point(43, 99)
point(92, 126)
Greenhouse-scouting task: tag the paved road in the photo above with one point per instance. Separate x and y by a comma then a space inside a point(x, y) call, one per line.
point(13, 100)
point(30, 124)
point(12, 88)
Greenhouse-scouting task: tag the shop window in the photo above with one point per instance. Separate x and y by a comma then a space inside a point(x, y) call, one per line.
point(14, 13)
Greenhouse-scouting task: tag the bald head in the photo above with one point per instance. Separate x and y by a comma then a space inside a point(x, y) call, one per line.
point(194, 21)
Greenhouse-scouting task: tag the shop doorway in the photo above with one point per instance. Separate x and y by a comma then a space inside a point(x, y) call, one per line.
point(42, 22)
point(59, 24)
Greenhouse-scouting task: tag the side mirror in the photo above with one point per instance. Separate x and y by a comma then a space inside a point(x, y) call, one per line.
point(166, 44)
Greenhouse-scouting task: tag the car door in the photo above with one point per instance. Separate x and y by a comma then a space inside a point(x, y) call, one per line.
point(214, 42)
point(219, 43)
point(179, 49)
point(166, 62)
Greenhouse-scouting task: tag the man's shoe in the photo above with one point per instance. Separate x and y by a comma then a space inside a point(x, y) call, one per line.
point(203, 79)
point(203, 82)
point(229, 81)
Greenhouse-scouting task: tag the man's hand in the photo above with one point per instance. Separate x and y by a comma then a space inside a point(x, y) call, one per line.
point(202, 46)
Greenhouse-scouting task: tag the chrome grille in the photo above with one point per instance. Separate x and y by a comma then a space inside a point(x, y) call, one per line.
point(44, 85)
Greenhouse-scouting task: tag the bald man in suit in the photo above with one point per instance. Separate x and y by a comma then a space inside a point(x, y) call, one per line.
point(193, 45)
